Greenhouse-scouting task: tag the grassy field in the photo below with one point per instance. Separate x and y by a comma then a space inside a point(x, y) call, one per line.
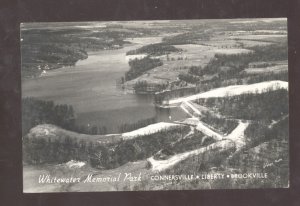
point(200, 53)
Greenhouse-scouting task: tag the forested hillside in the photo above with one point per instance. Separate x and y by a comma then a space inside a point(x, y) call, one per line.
point(139, 66)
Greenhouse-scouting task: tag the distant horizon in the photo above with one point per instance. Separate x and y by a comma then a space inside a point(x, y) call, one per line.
point(93, 24)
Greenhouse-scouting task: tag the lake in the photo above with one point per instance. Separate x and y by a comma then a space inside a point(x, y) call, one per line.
point(90, 87)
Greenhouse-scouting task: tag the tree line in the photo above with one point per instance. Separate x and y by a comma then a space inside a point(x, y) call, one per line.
point(58, 48)
point(257, 106)
point(140, 66)
point(259, 132)
point(35, 112)
point(60, 150)
point(230, 66)
point(171, 94)
point(187, 38)
point(222, 124)
point(154, 49)
point(141, 87)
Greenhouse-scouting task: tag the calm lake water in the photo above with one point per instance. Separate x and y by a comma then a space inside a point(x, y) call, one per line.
point(91, 88)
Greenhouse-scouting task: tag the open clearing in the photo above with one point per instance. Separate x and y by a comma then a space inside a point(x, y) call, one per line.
point(150, 129)
point(233, 42)
point(275, 69)
point(235, 90)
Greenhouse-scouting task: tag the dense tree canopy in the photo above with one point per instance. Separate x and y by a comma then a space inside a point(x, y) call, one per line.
point(140, 66)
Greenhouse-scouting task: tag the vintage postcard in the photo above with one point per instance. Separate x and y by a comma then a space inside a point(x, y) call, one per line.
point(155, 105)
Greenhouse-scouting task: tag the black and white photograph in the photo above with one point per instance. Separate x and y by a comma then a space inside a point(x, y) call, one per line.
point(153, 105)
